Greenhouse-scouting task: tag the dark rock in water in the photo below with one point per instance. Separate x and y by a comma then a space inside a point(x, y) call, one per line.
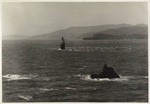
point(62, 45)
point(108, 72)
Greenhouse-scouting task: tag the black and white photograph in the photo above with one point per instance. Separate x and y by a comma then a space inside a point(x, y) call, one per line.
point(75, 52)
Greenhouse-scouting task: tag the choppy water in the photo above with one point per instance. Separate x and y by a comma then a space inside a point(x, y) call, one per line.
point(38, 71)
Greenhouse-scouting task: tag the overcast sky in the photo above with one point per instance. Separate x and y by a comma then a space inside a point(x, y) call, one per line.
point(37, 18)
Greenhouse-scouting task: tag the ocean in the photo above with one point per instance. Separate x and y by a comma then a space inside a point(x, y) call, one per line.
point(37, 71)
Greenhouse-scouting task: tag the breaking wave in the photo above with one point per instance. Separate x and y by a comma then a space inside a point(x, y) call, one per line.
point(70, 88)
point(46, 89)
point(113, 49)
point(122, 78)
point(25, 97)
point(10, 77)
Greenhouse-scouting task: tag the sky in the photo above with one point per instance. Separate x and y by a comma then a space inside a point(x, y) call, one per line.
point(35, 18)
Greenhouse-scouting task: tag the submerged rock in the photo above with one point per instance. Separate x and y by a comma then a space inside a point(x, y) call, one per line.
point(108, 72)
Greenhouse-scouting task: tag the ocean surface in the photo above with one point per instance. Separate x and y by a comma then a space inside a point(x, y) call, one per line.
point(38, 71)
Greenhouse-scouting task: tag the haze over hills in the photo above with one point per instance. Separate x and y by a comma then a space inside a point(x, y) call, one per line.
point(78, 32)
point(109, 31)
point(133, 32)
point(127, 30)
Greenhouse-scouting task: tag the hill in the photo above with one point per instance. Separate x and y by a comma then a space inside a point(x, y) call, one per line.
point(78, 32)
point(133, 32)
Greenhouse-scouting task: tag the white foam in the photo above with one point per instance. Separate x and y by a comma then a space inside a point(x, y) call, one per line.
point(134, 77)
point(79, 75)
point(25, 97)
point(46, 89)
point(59, 49)
point(81, 68)
point(126, 77)
point(87, 78)
point(45, 78)
point(146, 77)
point(11, 77)
point(70, 88)
point(86, 66)
point(122, 78)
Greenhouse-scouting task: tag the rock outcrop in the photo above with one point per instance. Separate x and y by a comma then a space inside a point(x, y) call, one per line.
point(108, 72)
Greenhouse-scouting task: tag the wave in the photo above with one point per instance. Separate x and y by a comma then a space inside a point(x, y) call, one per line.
point(46, 89)
point(122, 78)
point(10, 77)
point(134, 77)
point(113, 49)
point(146, 77)
point(70, 88)
point(68, 49)
point(25, 97)
point(87, 77)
